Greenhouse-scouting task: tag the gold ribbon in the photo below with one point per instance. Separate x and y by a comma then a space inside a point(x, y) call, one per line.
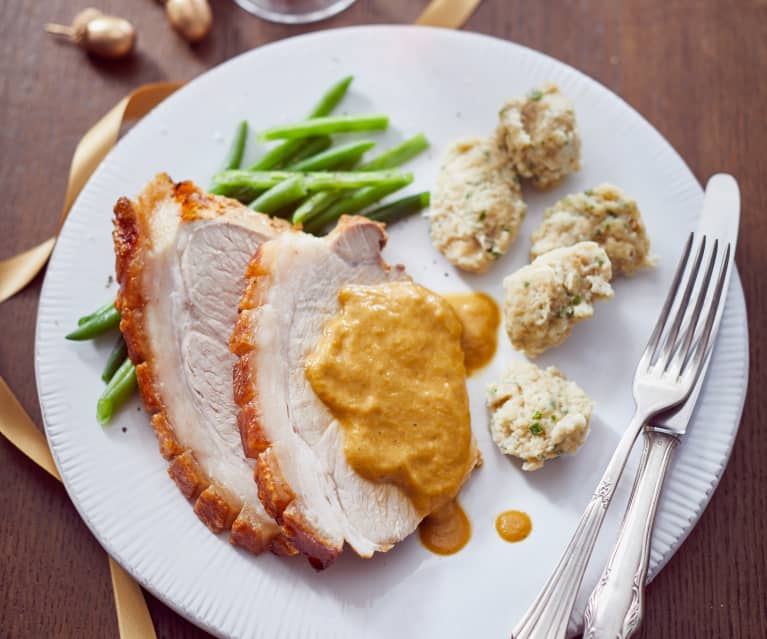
point(18, 271)
point(450, 14)
point(133, 620)
point(19, 429)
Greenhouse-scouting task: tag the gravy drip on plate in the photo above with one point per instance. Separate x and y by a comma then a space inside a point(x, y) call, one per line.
point(513, 525)
point(389, 366)
point(480, 317)
point(446, 530)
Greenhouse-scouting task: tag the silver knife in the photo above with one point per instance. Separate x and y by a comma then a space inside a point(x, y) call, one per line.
point(616, 605)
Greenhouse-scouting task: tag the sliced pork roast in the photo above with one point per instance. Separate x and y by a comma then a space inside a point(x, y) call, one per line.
point(181, 257)
point(304, 479)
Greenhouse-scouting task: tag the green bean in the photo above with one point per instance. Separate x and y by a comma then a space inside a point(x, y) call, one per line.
point(98, 311)
point(116, 357)
point(331, 98)
point(327, 126)
point(312, 147)
point(246, 195)
point(118, 391)
point(98, 324)
point(237, 149)
point(329, 180)
point(394, 211)
point(389, 159)
point(285, 152)
point(315, 204)
point(277, 156)
point(398, 155)
point(280, 195)
point(354, 203)
point(315, 181)
point(334, 156)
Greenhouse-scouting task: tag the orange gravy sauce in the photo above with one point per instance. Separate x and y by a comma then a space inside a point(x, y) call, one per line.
point(513, 525)
point(480, 317)
point(446, 530)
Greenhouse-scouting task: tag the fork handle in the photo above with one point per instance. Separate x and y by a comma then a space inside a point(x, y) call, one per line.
point(547, 618)
point(616, 605)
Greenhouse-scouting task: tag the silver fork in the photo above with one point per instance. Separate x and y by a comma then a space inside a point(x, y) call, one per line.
point(664, 378)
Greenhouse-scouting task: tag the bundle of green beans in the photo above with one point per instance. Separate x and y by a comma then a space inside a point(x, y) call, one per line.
point(313, 182)
point(305, 178)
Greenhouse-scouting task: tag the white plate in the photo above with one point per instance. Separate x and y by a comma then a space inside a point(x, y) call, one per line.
point(447, 84)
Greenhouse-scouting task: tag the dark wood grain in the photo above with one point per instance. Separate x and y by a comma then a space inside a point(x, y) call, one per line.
point(696, 70)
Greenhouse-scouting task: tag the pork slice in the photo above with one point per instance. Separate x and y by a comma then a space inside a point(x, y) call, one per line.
point(181, 257)
point(303, 477)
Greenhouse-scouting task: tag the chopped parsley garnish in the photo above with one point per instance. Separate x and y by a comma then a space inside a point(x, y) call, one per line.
point(527, 284)
point(535, 94)
point(469, 194)
point(482, 215)
point(576, 300)
point(588, 192)
point(536, 429)
point(553, 418)
point(537, 415)
point(507, 229)
point(600, 261)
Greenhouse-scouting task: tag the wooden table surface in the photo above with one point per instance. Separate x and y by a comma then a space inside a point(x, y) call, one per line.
point(696, 70)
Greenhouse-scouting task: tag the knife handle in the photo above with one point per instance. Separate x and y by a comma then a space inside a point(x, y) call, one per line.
point(616, 605)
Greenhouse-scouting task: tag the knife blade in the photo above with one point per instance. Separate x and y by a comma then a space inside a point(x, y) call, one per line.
point(720, 220)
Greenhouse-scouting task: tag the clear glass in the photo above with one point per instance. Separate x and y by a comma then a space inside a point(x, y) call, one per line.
point(294, 11)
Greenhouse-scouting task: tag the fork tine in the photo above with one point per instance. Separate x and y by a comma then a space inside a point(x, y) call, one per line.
point(702, 346)
point(670, 344)
point(660, 325)
point(683, 350)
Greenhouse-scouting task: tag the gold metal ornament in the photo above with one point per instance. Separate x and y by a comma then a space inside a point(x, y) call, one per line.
point(103, 35)
point(192, 19)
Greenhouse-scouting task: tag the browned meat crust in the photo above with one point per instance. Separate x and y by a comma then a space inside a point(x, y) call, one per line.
point(218, 509)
